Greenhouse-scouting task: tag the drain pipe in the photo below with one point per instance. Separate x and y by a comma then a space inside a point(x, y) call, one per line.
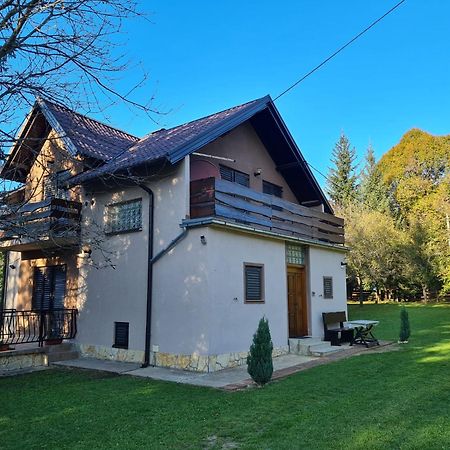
point(148, 315)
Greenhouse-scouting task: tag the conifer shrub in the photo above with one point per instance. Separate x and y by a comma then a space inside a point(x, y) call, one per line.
point(259, 359)
point(404, 326)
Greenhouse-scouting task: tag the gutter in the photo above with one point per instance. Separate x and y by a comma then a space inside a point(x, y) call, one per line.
point(151, 260)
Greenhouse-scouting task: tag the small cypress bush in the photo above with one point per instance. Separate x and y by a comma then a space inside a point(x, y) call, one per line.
point(259, 359)
point(404, 326)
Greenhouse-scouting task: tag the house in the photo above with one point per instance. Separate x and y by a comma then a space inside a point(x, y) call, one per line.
point(167, 250)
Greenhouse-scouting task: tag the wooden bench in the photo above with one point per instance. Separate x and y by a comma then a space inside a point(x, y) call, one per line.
point(334, 329)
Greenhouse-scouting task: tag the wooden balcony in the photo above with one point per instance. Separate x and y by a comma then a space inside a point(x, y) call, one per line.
point(233, 203)
point(51, 223)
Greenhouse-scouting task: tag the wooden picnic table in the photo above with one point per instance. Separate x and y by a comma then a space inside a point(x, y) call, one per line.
point(363, 332)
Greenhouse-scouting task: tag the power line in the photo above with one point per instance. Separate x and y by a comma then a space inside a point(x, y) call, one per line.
point(339, 50)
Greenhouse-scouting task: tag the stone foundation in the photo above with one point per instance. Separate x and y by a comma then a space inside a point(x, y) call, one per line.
point(115, 354)
point(13, 360)
point(193, 363)
point(207, 363)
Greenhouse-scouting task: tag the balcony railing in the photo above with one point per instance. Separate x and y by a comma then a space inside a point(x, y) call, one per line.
point(20, 327)
point(216, 198)
point(53, 221)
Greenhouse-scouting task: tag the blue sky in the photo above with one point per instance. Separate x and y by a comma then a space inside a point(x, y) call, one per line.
point(206, 56)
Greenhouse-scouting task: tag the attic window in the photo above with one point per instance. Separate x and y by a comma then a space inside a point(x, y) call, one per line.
point(272, 189)
point(235, 176)
point(124, 217)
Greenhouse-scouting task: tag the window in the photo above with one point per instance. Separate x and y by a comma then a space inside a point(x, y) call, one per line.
point(272, 189)
point(327, 287)
point(121, 333)
point(229, 174)
point(254, 283)
point(49, 287)
point(124, 217)
point(295, 254)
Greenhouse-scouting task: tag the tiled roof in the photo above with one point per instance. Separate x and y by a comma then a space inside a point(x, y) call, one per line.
point(174, 143)
point(90, 137)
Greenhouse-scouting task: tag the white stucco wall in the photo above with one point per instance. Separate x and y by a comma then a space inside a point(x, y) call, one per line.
point(113, 281)
point(322, 263)
point(233, 322)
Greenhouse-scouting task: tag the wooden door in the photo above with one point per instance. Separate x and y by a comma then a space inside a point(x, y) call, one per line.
point(297, 308)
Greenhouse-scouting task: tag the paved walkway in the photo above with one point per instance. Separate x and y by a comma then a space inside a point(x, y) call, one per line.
point(228, 379)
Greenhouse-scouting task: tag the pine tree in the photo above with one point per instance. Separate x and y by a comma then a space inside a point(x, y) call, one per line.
point(342, 185)
point(259, 360)
point(373, 192)
point(404, 326)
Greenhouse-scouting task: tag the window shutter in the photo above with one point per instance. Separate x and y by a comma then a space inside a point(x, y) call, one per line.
point(253, 283)
point(121, 333)
point(272, 189)
point(327, 287)
point(38, 287)
point(226, 173)
point(59, 286)
point(242, 178)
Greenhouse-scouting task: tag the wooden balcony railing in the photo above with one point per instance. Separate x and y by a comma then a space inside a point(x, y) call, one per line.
point(53, 220)
point(212, 197)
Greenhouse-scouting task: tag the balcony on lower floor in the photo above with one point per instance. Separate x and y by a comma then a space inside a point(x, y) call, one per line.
point(217, 199)
point(52, 223)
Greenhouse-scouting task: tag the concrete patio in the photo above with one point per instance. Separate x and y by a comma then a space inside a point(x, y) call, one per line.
point(229, 379)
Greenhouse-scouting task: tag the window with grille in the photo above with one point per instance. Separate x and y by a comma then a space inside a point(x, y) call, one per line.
point(272, 189)
point(121, 334)
point(235, 176)
point(254, 283)
point(124, 217)
point(295, 254)
point(327, 287)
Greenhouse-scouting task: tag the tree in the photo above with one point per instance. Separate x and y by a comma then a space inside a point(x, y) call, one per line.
point(65, 50)
point(373, 191)
point(404, 326)
point(259, 359)
point(341, 181)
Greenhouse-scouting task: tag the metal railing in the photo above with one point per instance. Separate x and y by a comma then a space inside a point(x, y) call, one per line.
point(20, 327)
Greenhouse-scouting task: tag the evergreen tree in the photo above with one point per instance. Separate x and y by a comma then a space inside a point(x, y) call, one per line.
point(373, 192)
point(404, 326)
point(342, 185)
point(259, 360)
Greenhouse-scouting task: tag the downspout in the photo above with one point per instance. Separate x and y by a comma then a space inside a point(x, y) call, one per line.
point(148, 315)
point(151, 260)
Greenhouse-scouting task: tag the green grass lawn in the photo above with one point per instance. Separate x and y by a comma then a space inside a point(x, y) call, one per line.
point(392, 400)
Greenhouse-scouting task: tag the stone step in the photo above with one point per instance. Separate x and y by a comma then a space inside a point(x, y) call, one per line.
point(305, 345)
point(324, 350)
point(62, 356)
point(58, 348)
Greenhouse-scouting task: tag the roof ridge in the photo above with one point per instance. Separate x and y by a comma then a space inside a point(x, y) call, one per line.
point(88, 117)
point(203, 118)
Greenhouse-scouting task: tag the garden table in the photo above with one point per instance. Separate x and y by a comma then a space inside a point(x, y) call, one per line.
point(363, 332)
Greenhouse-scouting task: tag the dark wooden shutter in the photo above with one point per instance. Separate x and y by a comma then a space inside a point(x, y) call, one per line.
point(242, 178)
point(327, 287)
point(272, 189)
point(121, 333)
point(49, 287)
point(226, 173)
point(38, 288)
point(253, 283)
point(59, 286)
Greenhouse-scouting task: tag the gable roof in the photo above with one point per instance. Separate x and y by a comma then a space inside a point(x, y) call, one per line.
point(79, 133)
point(175, 143)
point(121, 152)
